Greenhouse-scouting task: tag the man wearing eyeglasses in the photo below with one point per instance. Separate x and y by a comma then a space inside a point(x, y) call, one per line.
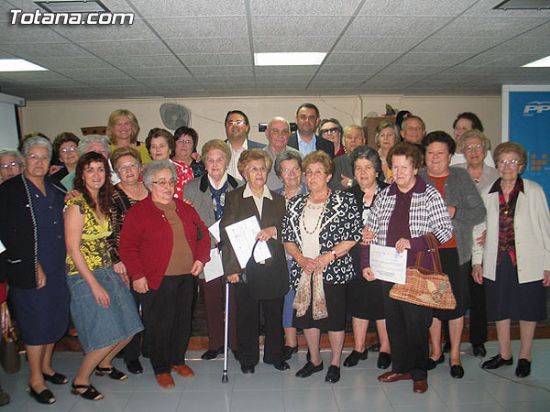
point(237, 128)
point(304, 139)
point(277, 133)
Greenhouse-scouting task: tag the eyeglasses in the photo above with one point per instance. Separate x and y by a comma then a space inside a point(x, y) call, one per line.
point(332, 130)
point(68, 149)
point(257, 170)
point(512, 163)
point(316, 173)
point(36, 158)
point(473, 147)
point(185, 141)
point(166, 183)
point(287, 171)
point(236, 122)
point(11, 165)
point(128, 167)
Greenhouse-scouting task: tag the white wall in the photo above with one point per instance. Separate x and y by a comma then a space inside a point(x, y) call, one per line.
point(207, 114)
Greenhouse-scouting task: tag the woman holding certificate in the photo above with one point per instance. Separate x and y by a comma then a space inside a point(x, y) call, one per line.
point(319, 230)
point(403, 214)
point(268, 285)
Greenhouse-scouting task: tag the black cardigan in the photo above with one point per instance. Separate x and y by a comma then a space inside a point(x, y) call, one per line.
point(19, 262)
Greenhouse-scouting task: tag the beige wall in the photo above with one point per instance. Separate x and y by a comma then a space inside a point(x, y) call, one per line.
point(207, 114)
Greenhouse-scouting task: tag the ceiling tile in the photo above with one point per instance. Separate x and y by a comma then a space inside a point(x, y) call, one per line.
point(286, 8)
point(80, 34)
point(351, 44)
point(215, 59)
point(185, 45)
point(220, 70)
point(456, 44)
point(491, 27)
point(360, 58)
point(28, 51)
point(298, 26)
point(434, 59)
point(394, 26)
point(273, 44)
point(415, 7)
point(188, 8)
point(200, 27)
point(18, 34)
point(126, 48)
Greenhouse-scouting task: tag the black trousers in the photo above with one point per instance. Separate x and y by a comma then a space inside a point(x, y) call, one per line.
point(248, 327)
point(478, 313)
point(214, 299)
point(408, 330)
point(167, 317)
point(133, 349)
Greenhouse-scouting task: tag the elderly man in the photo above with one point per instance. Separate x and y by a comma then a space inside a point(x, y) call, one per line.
point(305, 140)
point(413, 129)
point(342, 179)
point(237, 128)
point(277, 133)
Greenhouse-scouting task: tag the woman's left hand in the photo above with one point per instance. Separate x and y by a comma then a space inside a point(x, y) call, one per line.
point(197, 268)
point(402, 244)
point(121, 270)
point(546, 280)
point(267, 233)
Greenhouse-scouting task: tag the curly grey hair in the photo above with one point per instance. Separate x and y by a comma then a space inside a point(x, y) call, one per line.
point(86, 141)
point(36, 141)
point(12, 152)
point(287, 155)
point(155, 166)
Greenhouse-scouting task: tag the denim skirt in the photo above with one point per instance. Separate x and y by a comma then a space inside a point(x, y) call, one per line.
point(100, 327)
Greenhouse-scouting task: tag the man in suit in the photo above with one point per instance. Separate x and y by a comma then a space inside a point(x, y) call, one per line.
point(277, 133)
point(304, 139)
point(237, 128)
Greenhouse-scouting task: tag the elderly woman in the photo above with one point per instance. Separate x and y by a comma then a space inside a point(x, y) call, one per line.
point(164, 245)
point(257, 290)
point(288, 168)
point(319, 230)
point(475, 145)
point(161, 146)
point(187, 140)
point(207, 194)
point(31, 229)
point(403, 215)
point(126, 162)
point(123, 129)
point(65, 147)
point(387, 136)
point(342, 178)
point(102, 308)
point(11, 164)
point(466, 210)
point(332, 130)
point(365, 299)
point(91, 143)
point(514, 263)
point(463, 123)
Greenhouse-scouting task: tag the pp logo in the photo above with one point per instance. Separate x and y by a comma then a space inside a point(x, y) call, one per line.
point(532, 108)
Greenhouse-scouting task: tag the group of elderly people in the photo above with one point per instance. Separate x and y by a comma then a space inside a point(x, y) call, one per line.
point(141, 239)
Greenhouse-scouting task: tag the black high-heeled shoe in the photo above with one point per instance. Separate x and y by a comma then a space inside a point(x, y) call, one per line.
point(46, 396)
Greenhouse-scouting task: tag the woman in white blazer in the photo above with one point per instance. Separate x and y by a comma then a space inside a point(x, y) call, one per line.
point(514, 263)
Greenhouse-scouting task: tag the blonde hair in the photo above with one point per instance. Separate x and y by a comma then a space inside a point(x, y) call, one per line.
point(123, 113)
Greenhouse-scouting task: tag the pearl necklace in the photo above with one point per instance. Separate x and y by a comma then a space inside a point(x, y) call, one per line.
point(302, 216)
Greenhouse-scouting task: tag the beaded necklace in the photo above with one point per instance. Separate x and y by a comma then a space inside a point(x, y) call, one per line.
point(302, 216)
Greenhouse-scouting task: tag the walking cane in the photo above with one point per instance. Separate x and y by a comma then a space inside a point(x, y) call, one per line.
point(226, 333)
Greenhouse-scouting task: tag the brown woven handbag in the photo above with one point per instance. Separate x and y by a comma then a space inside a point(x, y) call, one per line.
point(425, 287)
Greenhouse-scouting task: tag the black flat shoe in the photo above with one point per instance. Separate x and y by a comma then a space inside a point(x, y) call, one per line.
point(247, 369)
point(523, 369)
point(354, 358)
point(433, 363)
point(384, 360)
point(479, 350)
point(288, 351)
point(281, 366)
point(212, 353)
point(46, 396)
point(333, 374)
point(56, 378)
point(496, 362)
point(111, 372)
point(457, 371)
point(89, 393)
point(309, 369)
point(134, 367)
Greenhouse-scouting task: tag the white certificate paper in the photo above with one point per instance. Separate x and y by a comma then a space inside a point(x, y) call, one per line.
point(2, 247)
point(215, 230)
point(214, 268)
point(387, 264)
point(242, 236)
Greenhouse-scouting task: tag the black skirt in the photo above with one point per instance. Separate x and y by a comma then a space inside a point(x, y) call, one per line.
point(335, 296)
point(459, 284)
point(365, 299)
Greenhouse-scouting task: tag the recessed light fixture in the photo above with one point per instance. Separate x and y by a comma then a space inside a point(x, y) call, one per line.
point(289, 59)
point(544, 62)
point(19, 65)
point(72, 6)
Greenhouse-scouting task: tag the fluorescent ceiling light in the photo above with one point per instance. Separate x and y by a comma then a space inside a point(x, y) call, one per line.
point(544, 62)
point(19, 65)
point(288, 59)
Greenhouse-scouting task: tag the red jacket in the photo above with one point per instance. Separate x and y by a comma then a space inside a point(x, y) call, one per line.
point(146, 240)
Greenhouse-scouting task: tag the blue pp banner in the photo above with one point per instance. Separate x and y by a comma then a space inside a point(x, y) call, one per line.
point(526, 120)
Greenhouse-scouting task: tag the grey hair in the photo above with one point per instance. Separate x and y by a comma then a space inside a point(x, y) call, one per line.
point(470, 134)
point(86, 141)
point(12, 152)
point(365, 152)
point(36, 141)
point(155, 166)
point(287, 155)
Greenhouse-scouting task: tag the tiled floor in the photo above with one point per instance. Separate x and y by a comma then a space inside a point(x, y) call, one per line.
point(271, 390)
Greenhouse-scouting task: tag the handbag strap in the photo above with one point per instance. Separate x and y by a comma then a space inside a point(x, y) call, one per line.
point(432, 243)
